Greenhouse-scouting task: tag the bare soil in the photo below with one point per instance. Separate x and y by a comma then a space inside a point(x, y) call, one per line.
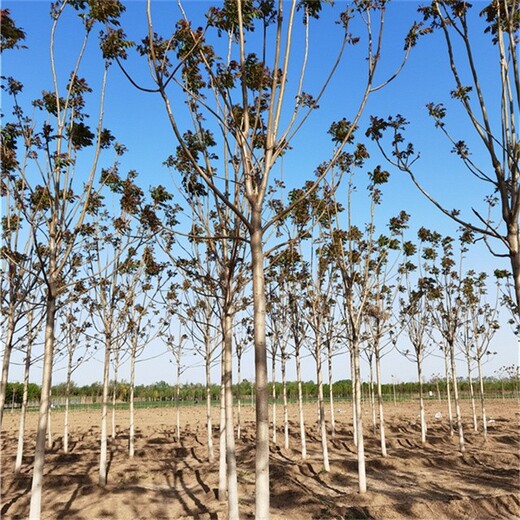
point(170, 480)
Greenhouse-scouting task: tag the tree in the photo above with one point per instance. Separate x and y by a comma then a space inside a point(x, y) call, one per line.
point(73, 327)
point(17, 280)
point(199, 322)
point(415, 314)
point(114, 258)
point(253, 104)
point(296, 274)
point(217, 235)
point(57, 210)
point(495, 130)
point(479, 328)
point(382, 330)
point(30, 338)
point(358, 254)
point(317, 211)
point(444, 286)
point(141, 283)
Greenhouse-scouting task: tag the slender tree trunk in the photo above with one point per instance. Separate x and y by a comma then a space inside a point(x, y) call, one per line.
point(103, 455)
point(514, 255)
point(231, 466)
point(177, 399)
point(380, 400)
point(421, 397)
point(222, 472)
point(23, 411)
point(39, 455)
point(354, 396)
point(482, 399)
point(372, 396)
point(273, 391)
point(301, 416)
point(239, 399)
point(448, 390)
point(114, 393)
point(438, 390)
point(209, 425)
point(49, 422)
point(331, 392)
point(285, 406)
point(8, 348)
point(321, 407)
point(362, 479)
point(456, 397)
point(67, 400)
point(472, 395)
point(131, 433)
point(262, 498)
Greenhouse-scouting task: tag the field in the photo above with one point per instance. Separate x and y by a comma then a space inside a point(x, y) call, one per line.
point(170, 480)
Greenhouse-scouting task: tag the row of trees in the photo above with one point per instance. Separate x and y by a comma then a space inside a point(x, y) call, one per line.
point(506, 383)
point(242, 260)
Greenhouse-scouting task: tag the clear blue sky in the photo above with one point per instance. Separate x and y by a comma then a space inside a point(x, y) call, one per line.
point(138, 120)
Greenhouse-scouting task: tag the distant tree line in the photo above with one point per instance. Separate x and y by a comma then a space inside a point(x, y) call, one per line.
point(503, 383)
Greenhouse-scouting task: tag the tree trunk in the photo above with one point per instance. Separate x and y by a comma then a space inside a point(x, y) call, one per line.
point(262, 498)
point(362, 479)
point(482, 399)
point(331, 392)
point(23, 411)
point(231, 466)
point(209, 425)
point(380, 400)
point(354, 396)
point(448, 390)
point(472, 396)
point(321, 406)
point(49, 422)
point(177, 398)
point(421, 399)
point(67, 399)
point(285, 406)
point(5, 362)
point(273, 390)
point(239, 396)
point(456, 397)
point(103, 462)
point(131, 433)
point(301, 416)
point(114, 393)
point(514, 255)
point(39, 455)
point(222, 472)
point(372, 396)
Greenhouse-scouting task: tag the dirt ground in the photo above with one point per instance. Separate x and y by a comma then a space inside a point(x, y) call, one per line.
point(170, 480)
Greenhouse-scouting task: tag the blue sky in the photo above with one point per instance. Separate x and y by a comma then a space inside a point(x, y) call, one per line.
point(138, 120)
